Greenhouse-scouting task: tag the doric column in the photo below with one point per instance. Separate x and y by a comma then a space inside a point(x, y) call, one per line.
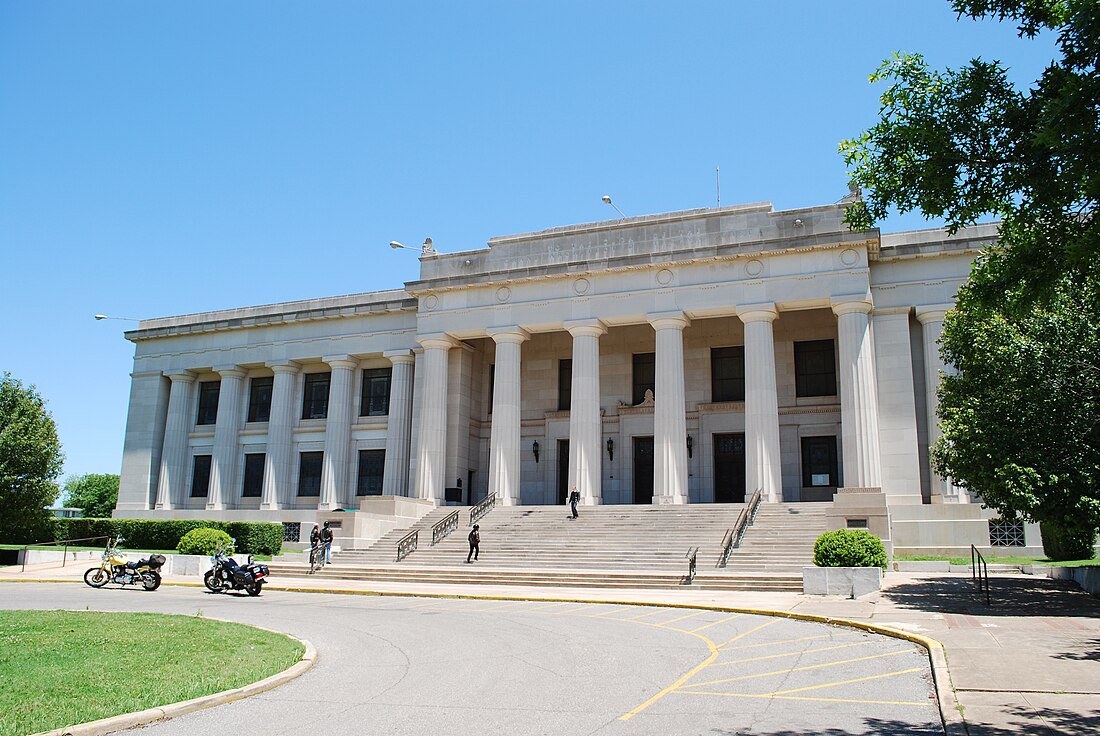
point(334, 470)
point(431, 450)
point(395, 475)
point(762, 468)
point(279, 457)
point(931, 319)
point(223, 468)
point(173, 456)
point(504, 435)
point(897, 411)
point(858, 395)
point(669, 423)
point(585, 431)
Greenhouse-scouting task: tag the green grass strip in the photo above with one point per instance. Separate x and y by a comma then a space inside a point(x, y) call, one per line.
point(60, 668)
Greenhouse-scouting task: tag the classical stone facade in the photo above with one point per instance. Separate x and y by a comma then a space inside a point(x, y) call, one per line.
point(688, 357)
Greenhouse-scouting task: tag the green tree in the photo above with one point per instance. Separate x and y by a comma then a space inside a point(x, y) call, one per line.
point(94, 493)
point(30, 461)
point(1021, 417)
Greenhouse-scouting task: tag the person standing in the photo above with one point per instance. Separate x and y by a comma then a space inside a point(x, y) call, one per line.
point(326, 541)
point(314, 546)
point(475, 542)
point(574, 499)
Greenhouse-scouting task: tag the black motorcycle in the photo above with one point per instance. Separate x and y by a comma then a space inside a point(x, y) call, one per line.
point(226, 574)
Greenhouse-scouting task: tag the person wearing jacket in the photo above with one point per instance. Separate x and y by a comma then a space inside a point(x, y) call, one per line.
point(475, 541)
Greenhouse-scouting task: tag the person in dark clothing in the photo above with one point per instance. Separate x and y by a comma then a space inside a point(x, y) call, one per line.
point(574, 499)
point(475, 540)
point(326, 540)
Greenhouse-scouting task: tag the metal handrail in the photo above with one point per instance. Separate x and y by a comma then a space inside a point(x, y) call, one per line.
point(65, 556)
point(733, 537)
point(407, 545)
point(483, 507)
point(444, 528)
point(692, 558)
point(979, 572)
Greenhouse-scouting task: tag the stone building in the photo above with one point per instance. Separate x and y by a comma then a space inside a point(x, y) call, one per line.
point(688, 357)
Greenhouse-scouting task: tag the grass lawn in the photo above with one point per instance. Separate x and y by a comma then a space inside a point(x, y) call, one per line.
point(60, 668)
point(1001, 560)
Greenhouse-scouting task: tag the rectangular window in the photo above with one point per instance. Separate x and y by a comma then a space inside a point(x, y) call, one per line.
point(253, 475)
point(315, 396)
point(372, 463)
point(727, 374)
point(492, 380)
point(645, 371)
point(309, 473)
point(815, 368)
point(259, 399)
point(375, 399)
point(200, 476)
point(565, 384)
point(819, 463)
point(208, 402)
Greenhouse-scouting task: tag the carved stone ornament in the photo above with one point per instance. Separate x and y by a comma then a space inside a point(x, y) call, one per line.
point(581, 287)
point(754, 268)
point(647, 400)
point(504, 294)
point(664, 277)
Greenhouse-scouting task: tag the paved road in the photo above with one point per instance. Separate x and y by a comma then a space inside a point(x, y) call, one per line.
point(398, 665)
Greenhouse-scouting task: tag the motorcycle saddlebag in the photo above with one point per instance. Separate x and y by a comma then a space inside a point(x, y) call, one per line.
point(156, 561)
point(243, 577)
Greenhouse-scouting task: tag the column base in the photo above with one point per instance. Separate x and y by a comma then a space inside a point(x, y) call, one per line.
point(269, 507)
point(669, 501)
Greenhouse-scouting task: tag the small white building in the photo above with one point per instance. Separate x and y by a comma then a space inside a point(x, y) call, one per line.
point(686, 357)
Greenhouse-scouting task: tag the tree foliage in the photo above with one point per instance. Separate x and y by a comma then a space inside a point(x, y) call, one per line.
point(94, 493)
point(30, 461)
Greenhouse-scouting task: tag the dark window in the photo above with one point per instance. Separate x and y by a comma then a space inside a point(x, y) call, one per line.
point(208, 402)
point(727, 374)
point(565, 384)
point(645, 367)
point(200, 476)
point(372, 463)
point(375, 400)
point(253, 475)
point(259, 399)
point(492, 387)
point(309, 473)
point(815, 368)
point(315, 397)
point(819, 466)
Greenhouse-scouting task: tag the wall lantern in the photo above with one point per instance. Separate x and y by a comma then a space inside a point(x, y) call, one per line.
point(458, 482)
point(610, 449)
point(691, 444)
point(535, 451)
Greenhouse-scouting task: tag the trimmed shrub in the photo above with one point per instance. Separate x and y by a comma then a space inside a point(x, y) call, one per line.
point(257, 538)
point(204, 542)
point(1062, 542)
point(849, 548)
point(253, 537)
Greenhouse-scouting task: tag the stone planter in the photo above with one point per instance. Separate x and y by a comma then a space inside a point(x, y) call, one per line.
point(847, 581)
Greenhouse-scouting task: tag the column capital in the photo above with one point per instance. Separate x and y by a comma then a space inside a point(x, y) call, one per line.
point(674, 320)
point(340, 361)
point(850, 305)
point(230, 371)
point(437, 341)
point(762, 312)
point(585, 327)
point(180, 376)
point(933, 312)
point(512, 334)
point(285, 366)
point(399, 356)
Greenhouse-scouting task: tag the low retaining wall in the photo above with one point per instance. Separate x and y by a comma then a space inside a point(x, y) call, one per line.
point(1087, 577)
point(849, 581)
point(173, 564)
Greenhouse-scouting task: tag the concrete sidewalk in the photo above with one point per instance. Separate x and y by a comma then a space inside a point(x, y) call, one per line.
point(1027, 664)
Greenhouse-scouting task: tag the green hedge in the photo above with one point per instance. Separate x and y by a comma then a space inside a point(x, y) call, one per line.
point(204, 541)
point(253, 537)
point(1063, 542)
point(849, 548)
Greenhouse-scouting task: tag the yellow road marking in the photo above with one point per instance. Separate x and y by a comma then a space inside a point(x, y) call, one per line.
point(494, 608)
point(715, 623)
point(801, 669)
point(642, 615)
point(552, 605)
point(793, 654)
point(750, 631)
point(845, 682)
point(681, 618)
point(769, 696)
point(782, 641)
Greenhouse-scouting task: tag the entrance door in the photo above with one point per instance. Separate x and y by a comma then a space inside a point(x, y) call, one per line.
point(729, 468)
point(643, 470)
point(563, 470)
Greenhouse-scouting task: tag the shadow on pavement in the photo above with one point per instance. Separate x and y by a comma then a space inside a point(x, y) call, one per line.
point(1022, 595)
point(1023, 720)
point(1090, 651)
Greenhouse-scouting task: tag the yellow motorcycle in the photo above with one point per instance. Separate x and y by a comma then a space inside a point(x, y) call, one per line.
point(114, 567)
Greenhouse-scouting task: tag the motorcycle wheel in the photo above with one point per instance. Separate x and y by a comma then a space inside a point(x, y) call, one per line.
point(150, 580)
point(255, 588)
point(213, 583)
point(96, 577)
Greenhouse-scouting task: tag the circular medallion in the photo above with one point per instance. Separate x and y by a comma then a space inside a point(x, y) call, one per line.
point(664, 277)
point(581, 286)
point(431, 301)
point(504, 294)
point(849, 257)
point(754, 268)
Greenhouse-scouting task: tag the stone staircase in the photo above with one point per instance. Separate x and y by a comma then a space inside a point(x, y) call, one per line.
point(608, 546)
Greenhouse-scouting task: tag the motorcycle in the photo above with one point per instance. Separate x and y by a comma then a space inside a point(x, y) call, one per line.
point(226, 574)
point(115, 567)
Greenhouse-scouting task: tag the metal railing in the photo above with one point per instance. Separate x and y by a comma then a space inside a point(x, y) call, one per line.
point(692, 558)
point(979, 572)
point(483, 507)
point(444, 528)
point(65, 542)
point(407, 545)
point(736, 533)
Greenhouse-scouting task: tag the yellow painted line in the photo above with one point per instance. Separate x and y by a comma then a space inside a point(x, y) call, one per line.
point(750, 631)
point(494, 608)
point(775, 643)
point(681, 618)
point(543, 608)
point(675, 685)
point(793, 654)
point(768, 696)
point(846, 682)
point(642, 615)
point(715, 623)
point(801, 669)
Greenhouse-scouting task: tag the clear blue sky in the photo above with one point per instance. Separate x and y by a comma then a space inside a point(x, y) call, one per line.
point(167, 158)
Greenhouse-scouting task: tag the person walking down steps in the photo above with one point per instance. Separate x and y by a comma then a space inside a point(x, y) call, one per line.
point(475, 541)
point(574, 499)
